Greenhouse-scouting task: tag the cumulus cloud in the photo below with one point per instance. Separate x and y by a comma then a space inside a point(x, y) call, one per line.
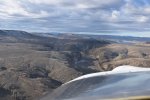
point(14, 8)
point(75, 16)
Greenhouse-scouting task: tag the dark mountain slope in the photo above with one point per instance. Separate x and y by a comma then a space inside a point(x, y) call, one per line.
point(32, 65)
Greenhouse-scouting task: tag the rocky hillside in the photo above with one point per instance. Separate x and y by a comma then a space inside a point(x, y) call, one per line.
point(114, 55)
point(31, 65)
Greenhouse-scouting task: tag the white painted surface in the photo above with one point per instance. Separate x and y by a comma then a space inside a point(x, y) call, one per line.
point(117, 70)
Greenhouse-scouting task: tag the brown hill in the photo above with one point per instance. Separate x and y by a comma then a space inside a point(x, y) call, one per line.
point(31, 65)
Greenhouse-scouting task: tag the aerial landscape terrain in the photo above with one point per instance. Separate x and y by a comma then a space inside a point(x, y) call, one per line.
point(32, 65)
point(46, 44)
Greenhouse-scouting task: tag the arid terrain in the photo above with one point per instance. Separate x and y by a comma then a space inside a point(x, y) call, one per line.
point(32, 65)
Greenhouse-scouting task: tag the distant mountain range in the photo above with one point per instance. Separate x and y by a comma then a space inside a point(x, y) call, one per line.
point(121, 39)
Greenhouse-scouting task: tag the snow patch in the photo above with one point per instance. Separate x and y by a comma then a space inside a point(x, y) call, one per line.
point(117, 70)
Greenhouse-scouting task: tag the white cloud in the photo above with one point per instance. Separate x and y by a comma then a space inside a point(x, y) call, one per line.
point(75, 3)
point(16, 8)
point(51, 2)
point(141, 19)
point(85, 15)
point(115, 15)
point(133, 13)
point(13, 8)
point(147, 10)
point(82, 6)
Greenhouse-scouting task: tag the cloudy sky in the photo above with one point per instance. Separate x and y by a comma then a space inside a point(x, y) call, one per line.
point(86, 16)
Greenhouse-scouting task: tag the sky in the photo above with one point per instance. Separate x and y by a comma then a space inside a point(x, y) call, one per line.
point(122, 17)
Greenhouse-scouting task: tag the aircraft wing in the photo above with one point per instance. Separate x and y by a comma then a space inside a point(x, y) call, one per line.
point(132, 83)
